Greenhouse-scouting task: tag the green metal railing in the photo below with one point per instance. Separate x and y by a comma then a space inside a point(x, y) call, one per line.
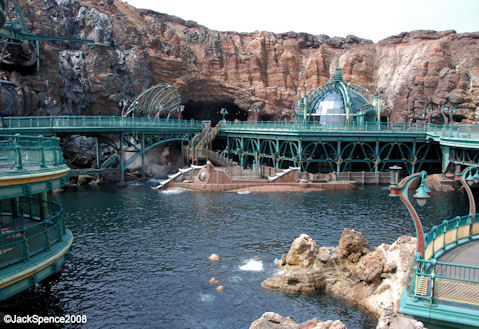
point(431, 280)
point(20, 152)
point(435, 281)
point(97, 121)
point(399, 127)
point(34, 235)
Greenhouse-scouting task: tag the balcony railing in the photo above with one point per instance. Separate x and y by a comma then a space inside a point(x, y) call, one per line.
point(26, 234)
point(433, 281)
point(19, 152)
point(456, 131)
point(97, 121)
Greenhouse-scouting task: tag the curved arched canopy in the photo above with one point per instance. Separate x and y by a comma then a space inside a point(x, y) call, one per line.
point(153, 101)
point(338, 102)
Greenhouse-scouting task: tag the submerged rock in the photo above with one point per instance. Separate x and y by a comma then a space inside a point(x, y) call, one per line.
point(214, 257)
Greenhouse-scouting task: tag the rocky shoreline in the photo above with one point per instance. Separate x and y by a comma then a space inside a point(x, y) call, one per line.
point(373, 280)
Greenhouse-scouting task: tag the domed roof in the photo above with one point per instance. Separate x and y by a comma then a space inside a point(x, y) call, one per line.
point(338, 102)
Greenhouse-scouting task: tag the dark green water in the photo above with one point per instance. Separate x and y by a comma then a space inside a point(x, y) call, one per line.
point(139, 258)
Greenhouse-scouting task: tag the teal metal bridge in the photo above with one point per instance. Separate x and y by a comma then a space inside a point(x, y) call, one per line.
point(313, 146)
point(338, 147)
point(126, 135)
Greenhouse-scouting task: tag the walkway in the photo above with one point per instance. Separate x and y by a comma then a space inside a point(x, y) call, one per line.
point(467, 254)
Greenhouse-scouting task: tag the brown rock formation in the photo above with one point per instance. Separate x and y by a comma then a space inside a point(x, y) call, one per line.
point(372, 280)
point(270, 320)
point(248, 69)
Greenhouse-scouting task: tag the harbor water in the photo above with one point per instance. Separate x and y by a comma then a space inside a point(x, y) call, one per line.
point(140, 256)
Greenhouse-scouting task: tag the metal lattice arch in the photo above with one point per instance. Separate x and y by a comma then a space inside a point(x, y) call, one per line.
point(339, 102)
point(159, 99)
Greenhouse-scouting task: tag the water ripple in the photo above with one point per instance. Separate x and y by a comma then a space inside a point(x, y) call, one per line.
point(140, 258)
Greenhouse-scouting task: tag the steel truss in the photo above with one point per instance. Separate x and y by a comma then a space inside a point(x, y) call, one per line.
point(329, 156)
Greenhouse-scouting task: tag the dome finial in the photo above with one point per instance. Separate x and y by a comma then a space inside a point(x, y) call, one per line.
point(337, 76)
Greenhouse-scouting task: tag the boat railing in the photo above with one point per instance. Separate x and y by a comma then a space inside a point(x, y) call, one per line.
point(26, 233)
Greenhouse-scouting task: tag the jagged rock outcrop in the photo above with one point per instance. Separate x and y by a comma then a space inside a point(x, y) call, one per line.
point(270, 320)
point(263, 69)
point(373, 280)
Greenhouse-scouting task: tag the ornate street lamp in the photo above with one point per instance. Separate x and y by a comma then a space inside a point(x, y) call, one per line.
point(445, 112)
point(427, 114)
point(461, 176)
point(223, 112)
point(401, 190)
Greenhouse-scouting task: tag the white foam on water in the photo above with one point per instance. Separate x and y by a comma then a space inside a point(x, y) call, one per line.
point(276, 261)
point(174, 191)
point(207, 298)
point(156, 181)
point(253, 265)
point(135, 184)
point(235, 279)
point(243, 192)
point(279, 271)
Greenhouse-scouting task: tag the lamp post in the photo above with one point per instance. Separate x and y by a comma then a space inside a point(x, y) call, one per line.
point(400, 189)
point(466, 178)
point(223, 112)
point(427, 114)
point(445, 112)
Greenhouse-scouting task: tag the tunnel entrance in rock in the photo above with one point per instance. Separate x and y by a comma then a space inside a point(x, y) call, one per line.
point(212, 111)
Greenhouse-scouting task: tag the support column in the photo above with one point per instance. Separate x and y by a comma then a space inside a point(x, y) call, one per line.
point(98, 163)
point(300, 155)
point(43, 205)
point(446, 151)
point(14, 204)
point(340, 158)
point(143, 156)
point(122, 169)
point(414, 158)
point(376, 156)
point(98, 160)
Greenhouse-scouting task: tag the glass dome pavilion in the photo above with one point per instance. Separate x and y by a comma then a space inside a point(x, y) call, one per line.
point(337, 103)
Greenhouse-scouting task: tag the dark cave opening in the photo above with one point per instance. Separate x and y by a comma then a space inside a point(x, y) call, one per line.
point(212, 111)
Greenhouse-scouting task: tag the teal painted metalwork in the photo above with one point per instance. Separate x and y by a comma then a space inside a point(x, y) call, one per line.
point(337, 146)
point(23, 242)
point(445, 292)
point(33, 239)
point(154, 101)
point(20, 152)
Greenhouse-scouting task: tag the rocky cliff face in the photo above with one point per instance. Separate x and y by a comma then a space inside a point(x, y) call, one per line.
point(263, 69)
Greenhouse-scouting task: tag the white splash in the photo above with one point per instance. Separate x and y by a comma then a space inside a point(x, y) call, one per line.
point(207, 298)
point(279, 271)
point(174, 191)
point(243, 192)
point(155, 181)
point(252, 265)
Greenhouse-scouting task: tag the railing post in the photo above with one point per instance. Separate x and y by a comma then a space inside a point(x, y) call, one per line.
point(26, 253)
point(433, 281)
point(42, 152)
point(18, 152)
point(45, 232)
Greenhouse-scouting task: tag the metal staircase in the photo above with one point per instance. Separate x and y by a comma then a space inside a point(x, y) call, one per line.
point(201, 143)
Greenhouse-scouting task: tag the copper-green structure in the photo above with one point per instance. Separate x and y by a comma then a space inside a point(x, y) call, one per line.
point(18, 45)
point(162, 99)
point(34, 240)
point(439, 288)
point(339, 102)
